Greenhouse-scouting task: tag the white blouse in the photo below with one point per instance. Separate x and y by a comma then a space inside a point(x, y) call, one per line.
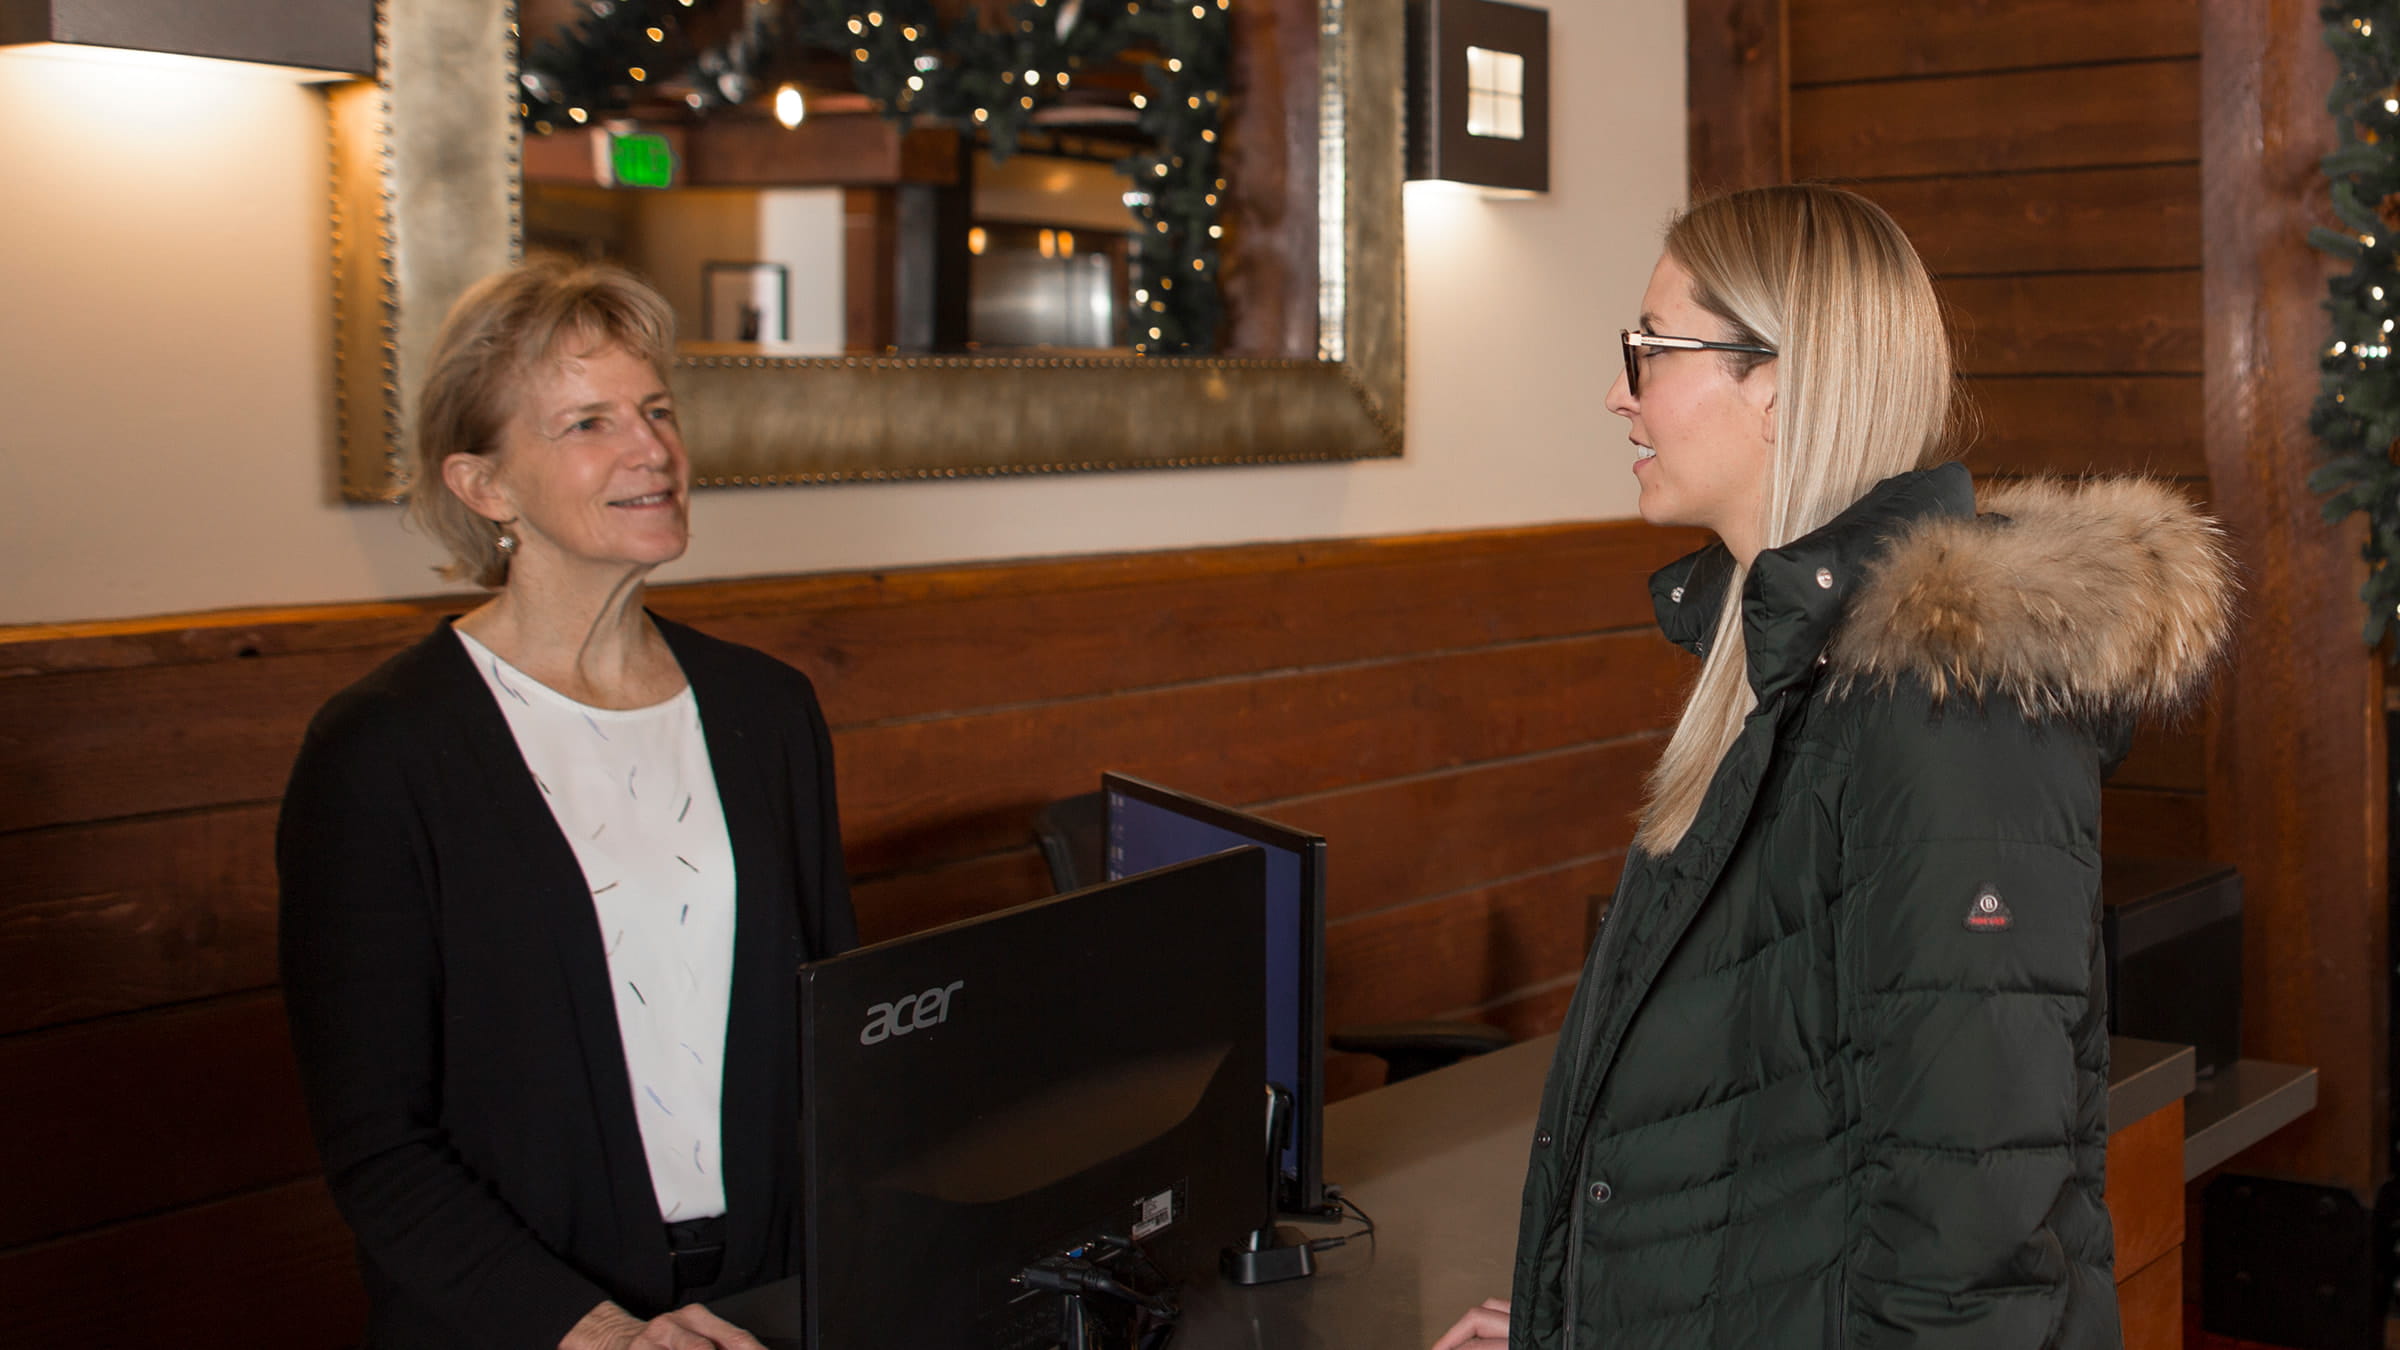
point(632, 791)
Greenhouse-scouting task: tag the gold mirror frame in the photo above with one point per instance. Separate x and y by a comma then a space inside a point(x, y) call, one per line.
point(425, 201)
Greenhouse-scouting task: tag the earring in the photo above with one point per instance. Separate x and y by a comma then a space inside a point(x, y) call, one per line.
point(506, 543)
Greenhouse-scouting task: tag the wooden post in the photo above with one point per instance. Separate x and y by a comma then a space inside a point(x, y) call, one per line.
point(2297, 793)
point(1738, 90)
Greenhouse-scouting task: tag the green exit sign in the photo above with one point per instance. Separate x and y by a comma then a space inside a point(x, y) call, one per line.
point(642, 160)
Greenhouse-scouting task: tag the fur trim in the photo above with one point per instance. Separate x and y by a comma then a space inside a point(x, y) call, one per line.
point(2108, 596)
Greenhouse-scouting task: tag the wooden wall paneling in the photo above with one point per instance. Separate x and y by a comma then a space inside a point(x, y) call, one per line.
point(2145, 1188)
point(2097, 323)
point(1530, 1012)
point(1463, 950)
point(1873, 39)
point(114, 720)
point(108, 743)
point(98, 919)
point(2157, 823)
point(912, 645)
point(2298, 798)
point(1268, 140)
point(1391, 842)
point(894, 904)
point(148, 1112)
point(2080, 117)
point(2166, 755)
point(2150, 1303)
point(1736, 92)
point(915, 791)
point(272, 1267)
point(2077, 424)
point(2078, 220)
point(870, 263)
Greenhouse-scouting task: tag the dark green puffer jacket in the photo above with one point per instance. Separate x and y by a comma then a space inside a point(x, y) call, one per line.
point(1836, 1073)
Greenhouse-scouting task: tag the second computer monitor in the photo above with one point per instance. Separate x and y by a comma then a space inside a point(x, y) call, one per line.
point(1149, 827)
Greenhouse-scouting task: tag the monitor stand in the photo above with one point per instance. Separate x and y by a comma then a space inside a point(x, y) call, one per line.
point(1272, 1253)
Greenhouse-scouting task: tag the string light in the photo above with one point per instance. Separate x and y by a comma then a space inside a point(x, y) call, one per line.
point(790, 108)
point(638, 74)
point(656, 34)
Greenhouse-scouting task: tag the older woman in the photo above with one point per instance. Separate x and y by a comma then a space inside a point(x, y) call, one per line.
point(547, 873)
point(1837, 1070)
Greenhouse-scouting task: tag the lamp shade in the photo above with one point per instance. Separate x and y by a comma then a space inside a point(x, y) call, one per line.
point(335, 36)
point(1479, 94)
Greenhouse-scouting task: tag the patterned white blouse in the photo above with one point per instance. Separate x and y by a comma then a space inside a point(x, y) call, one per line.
point(633, 793)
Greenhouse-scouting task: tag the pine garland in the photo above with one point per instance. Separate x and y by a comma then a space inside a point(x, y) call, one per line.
point(2357, 412)
point(912, 64)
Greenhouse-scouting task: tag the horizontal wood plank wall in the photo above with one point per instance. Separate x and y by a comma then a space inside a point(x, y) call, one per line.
point(1465, 717)
point(2044, 157)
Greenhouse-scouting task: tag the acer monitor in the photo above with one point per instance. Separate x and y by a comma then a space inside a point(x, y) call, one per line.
point(1149, 826)
point(981, 1097)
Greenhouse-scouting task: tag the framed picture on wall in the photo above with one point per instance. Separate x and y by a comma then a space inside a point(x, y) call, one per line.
point(745, 302)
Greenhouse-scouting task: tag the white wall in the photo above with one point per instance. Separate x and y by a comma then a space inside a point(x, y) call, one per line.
point(164, 360)
point(798, 227)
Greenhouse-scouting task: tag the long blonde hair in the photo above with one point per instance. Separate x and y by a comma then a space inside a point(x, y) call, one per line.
point(1863, 390)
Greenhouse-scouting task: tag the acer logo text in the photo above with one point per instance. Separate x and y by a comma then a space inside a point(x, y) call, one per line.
point(913, 1013)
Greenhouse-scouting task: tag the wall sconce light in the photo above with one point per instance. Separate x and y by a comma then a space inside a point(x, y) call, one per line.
point(1479, 94)
point(329, 39)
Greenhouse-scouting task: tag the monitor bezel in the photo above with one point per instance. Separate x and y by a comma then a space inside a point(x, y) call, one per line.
point(1308, 1124)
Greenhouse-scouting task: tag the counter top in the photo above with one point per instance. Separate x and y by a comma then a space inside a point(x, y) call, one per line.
point(2239, 1105)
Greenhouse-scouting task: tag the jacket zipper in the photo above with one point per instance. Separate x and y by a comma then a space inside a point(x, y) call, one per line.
point(1572, 1266)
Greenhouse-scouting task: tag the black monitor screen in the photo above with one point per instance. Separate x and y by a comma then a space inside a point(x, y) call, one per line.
point(978, 1097)
point(1151, 827)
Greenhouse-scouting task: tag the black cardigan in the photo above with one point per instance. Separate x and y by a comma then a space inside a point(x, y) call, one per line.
point(451, 1013)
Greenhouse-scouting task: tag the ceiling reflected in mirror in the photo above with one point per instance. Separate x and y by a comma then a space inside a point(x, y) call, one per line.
point(805, 178)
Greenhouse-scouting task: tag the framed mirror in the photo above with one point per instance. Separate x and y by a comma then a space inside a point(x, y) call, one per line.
point(430, 193)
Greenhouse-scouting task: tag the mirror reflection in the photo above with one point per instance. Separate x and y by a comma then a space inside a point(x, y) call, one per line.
point(792, 195)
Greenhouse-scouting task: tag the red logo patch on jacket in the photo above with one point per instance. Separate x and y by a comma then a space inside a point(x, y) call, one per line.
point(1989, 913)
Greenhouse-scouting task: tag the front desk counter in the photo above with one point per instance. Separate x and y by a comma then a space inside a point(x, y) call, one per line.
point(1439, 1161)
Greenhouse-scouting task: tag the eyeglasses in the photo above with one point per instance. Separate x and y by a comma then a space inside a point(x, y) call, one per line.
point(1634, 337)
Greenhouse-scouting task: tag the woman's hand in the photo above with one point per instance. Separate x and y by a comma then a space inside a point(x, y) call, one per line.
point(691, 1327)
point(1485, 1327)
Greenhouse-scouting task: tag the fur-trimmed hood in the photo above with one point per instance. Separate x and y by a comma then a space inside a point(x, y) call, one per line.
point(2102, 597)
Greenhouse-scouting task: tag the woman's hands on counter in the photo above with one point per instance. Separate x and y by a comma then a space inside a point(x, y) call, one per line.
point(691, 1327)
point(1485, 1327)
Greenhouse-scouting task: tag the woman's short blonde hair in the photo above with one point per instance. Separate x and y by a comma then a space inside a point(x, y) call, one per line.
point(498, 333)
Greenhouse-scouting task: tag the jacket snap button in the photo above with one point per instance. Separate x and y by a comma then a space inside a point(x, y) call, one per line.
point(1601, 1194)
point(1541, 1139)
point(1676, 595)
point(1825, 578)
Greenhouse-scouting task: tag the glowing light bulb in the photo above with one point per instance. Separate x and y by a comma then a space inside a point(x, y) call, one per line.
point(790, 108)
point(2340, 347)
point(1140, 102)
point(976, 240)
point(656, 34)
